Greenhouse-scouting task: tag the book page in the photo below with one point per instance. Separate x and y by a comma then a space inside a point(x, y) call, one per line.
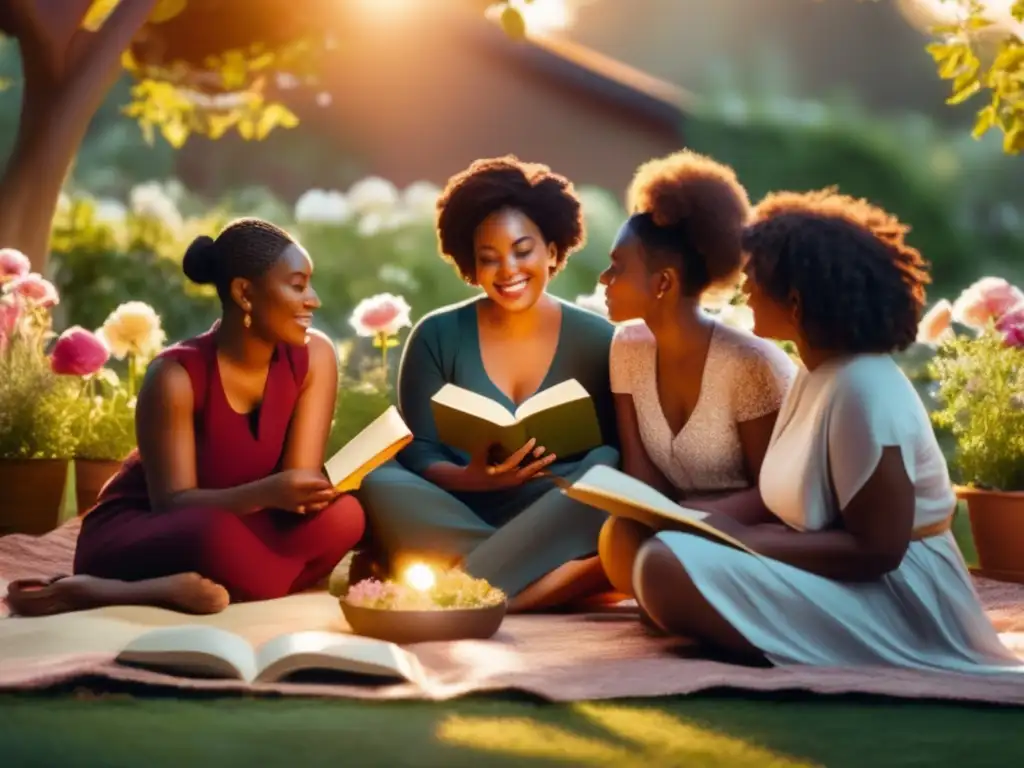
point(380, 441)
point(617, 485)
point(464, 400)
point(565, 392)
point(192, 649)
point(619, 494)
point(299, 651)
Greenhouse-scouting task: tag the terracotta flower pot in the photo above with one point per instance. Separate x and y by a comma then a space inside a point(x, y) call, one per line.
point(90, 477)
point(997, 525)
point(31, 494)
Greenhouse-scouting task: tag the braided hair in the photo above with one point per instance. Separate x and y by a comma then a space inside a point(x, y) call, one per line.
point(245, 248)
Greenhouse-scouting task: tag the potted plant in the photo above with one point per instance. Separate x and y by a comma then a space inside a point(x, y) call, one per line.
point(132, 333)
point(37, 405)
point(979, 378)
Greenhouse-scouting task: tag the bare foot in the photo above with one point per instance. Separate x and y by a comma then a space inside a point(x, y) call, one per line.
point(185, 592)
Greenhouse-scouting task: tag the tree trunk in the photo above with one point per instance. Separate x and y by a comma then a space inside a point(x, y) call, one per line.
point(68, 71)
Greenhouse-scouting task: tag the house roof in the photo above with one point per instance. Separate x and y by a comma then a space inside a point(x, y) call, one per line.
point(585, 68)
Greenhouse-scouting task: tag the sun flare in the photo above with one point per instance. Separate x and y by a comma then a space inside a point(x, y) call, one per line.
point(420, 577)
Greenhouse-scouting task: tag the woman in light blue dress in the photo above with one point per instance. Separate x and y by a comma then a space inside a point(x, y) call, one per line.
point(856, 563)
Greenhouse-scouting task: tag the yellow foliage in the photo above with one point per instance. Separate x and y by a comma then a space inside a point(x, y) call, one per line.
point(101, 9)
point(1003, 78)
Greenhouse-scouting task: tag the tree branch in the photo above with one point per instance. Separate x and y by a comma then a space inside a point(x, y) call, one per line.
point(45, 29)
point(101, 55)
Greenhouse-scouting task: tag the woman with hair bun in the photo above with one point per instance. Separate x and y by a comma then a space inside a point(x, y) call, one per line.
point(856, 564)
point(225, 498)
point(696, 400)
point(507, 227)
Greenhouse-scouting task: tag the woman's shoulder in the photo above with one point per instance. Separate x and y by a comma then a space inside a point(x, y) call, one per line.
point(438, 321)
point(581, 320)
point(633, 335)
point(749, 352)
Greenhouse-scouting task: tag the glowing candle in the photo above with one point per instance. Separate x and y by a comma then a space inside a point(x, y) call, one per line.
point(420, 577)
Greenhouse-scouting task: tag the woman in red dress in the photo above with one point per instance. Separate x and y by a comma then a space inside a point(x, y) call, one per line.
point(225, 498)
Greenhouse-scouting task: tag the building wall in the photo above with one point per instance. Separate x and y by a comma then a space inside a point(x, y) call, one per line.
point(426, 104)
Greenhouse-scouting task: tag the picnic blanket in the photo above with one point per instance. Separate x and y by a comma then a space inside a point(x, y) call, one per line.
point(568, 657)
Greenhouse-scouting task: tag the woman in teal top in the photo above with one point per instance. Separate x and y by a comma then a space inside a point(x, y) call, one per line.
point(507, 227)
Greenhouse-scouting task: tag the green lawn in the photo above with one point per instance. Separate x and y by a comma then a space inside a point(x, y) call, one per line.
point(715, 730)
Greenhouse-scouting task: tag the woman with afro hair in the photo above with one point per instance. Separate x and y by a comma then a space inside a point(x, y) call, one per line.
point(507, 227)
point(856, 564)
point(696, 399)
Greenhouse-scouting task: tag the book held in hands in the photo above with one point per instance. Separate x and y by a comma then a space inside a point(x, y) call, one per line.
point(196, 650)
point(562, 418)
point(377, 444)
point(621, 495)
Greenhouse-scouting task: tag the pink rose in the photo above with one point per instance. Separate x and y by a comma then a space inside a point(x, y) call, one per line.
point(937, 324)
point(34, 288)
point(988, 299)
point(13, 264)
point(380, 314)
point(78, 352)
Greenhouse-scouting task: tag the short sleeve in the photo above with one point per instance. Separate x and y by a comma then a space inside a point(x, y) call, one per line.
point(866, 415)
point(619, 364)
point(765, 376)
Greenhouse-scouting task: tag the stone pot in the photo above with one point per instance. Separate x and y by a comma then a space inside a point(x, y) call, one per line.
point(32, 494)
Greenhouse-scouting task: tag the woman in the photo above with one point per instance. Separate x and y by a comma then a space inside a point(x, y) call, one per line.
point(857, 564)
point(225, 498)
point(507, 227)
point(696, 400)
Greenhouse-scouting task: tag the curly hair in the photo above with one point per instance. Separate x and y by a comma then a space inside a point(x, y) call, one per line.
point(689, 212)
point(546, 198)
point(246, 247)
point(861, 288)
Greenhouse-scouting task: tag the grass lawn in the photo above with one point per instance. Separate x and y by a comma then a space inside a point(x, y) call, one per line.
point(132, 727)
point(718, 730)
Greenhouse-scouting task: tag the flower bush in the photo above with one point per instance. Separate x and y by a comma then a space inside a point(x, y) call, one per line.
point(37, 404)
point(453, 590)
point(978, 370)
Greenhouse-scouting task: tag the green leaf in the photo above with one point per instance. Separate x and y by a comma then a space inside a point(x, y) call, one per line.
point(964, 93)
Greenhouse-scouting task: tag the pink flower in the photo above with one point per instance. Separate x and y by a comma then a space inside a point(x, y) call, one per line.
point(936, 324)
point(1014, 337)
point(34, 288)
point(988, 299)
point(380, 314)
point(78, 352)
point(1013, 318)
point(13, 264)
point(10, 313)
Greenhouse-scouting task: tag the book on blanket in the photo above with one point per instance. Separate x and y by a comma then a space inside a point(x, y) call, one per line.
point(562, 418)
point(620, 495)
point(195, 650)
point(376, 444)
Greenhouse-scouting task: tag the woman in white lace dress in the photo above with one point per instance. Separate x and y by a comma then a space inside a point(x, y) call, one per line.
point(856, 563)
point(696, 400)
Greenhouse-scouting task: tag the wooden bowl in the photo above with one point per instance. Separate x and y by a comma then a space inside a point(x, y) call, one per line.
point(405, 627)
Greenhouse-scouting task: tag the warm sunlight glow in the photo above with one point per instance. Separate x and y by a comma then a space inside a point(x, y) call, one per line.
point(545, 15)
point(936, 12)
point(386, 8)
point(420, 577)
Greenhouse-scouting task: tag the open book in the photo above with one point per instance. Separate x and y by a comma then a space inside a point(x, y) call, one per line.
point(376, 444)
point(195, 650)
point(562, 418)
point(620, 495)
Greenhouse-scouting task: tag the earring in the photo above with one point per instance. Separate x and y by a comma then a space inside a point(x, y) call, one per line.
point(660, 293)
point(247, 320)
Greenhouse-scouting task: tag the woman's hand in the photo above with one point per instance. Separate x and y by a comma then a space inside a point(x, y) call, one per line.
point(481, 473)
point(299, 490)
